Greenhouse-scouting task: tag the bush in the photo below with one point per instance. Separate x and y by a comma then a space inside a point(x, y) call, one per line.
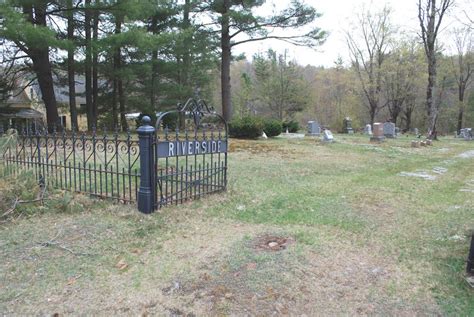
point(272, 127)
point(170, 120)
point(292, 126)
point(246, 128)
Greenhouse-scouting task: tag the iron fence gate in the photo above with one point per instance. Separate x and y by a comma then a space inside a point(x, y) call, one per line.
point(184, 158)
point(190, 153)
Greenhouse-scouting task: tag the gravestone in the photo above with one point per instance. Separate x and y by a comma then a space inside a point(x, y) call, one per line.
point(397, 131)
point(377, 133)
point(415, 131)
point(389, 130)
point(327, 136)
point(348, 126)
point(368, 129)
point(467, 134)
point(313, 128)
point(415, 143)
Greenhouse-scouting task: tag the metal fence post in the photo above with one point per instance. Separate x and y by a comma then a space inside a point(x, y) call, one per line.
point(147, 185)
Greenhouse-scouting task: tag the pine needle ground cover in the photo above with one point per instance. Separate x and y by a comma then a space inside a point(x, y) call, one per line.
point(304, 227)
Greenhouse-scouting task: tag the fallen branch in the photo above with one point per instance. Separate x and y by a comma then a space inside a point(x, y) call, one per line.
point(57, 245)
point(52, 243)
point(12, 209)
point(40, 197)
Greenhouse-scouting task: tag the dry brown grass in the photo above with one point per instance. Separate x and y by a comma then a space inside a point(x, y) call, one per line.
point(378, 257)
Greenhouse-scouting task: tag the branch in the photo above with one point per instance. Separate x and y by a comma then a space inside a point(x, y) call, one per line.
point(276, 37)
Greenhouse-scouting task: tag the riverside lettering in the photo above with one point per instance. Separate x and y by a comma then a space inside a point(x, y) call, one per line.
point(182, 148)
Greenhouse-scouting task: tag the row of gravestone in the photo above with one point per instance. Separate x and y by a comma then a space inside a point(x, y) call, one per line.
point(389, 130)
point(314, 129)
point(466, 134)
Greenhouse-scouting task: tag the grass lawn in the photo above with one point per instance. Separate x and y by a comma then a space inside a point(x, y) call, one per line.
point(361, 236)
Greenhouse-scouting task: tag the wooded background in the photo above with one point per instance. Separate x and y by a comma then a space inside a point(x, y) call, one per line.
point(146, 56)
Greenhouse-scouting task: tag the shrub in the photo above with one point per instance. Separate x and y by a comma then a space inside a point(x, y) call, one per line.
point(170, 121)
point(246, 127)
point(291, 125)
point(272, 127)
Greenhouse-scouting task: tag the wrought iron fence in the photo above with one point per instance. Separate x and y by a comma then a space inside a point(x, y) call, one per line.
point(161, 167)
point(102, 165)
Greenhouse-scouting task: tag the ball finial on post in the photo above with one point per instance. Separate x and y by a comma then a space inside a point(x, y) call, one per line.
point(146, 120)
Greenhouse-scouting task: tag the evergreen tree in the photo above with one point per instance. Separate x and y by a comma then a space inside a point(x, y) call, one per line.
point(25, 26)
point(280, 86)
point(237, 23)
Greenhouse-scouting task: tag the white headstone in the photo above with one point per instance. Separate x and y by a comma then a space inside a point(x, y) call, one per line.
point(327, 136)
point(368, 129)
point(467, 134)
point(264, 135)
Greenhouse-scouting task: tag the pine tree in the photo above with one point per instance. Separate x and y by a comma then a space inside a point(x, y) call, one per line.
point(236, 18)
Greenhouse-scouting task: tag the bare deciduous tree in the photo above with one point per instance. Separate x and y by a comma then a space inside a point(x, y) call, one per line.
point(368, 46)
point(430, 17)
point(463, 66)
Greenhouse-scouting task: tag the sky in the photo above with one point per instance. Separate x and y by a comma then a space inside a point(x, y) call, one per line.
point(338, 15)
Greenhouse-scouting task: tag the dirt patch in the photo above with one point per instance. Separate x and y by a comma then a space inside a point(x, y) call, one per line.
point(272, 243)
point(252, 279)
point(264, 147)
point(255, 147)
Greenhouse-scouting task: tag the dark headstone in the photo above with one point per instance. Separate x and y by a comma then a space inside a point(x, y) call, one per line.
point(348, 126)
point(389, 130)
point(313, 128)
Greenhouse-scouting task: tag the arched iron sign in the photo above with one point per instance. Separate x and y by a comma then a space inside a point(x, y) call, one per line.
point(191, 153)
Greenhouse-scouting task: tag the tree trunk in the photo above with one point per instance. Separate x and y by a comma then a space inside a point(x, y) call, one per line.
point(394, 118)
point(430, 104)
point(42, 66)
point(154, 62)
point(372, 111)
point(460, 116)
point(408, 121)
point(186, 53)
point(70, 67)
point(119, 82)
point(225, 63)
point(123, 120)
point(95, 65)
point(461, 90)
point(114, 104)
point(88, 68)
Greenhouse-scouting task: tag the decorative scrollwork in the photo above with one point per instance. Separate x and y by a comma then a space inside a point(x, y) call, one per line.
point(197, 109)
point(193, 105)
point(89, 146)
point(100, 147)
point(111, 146)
